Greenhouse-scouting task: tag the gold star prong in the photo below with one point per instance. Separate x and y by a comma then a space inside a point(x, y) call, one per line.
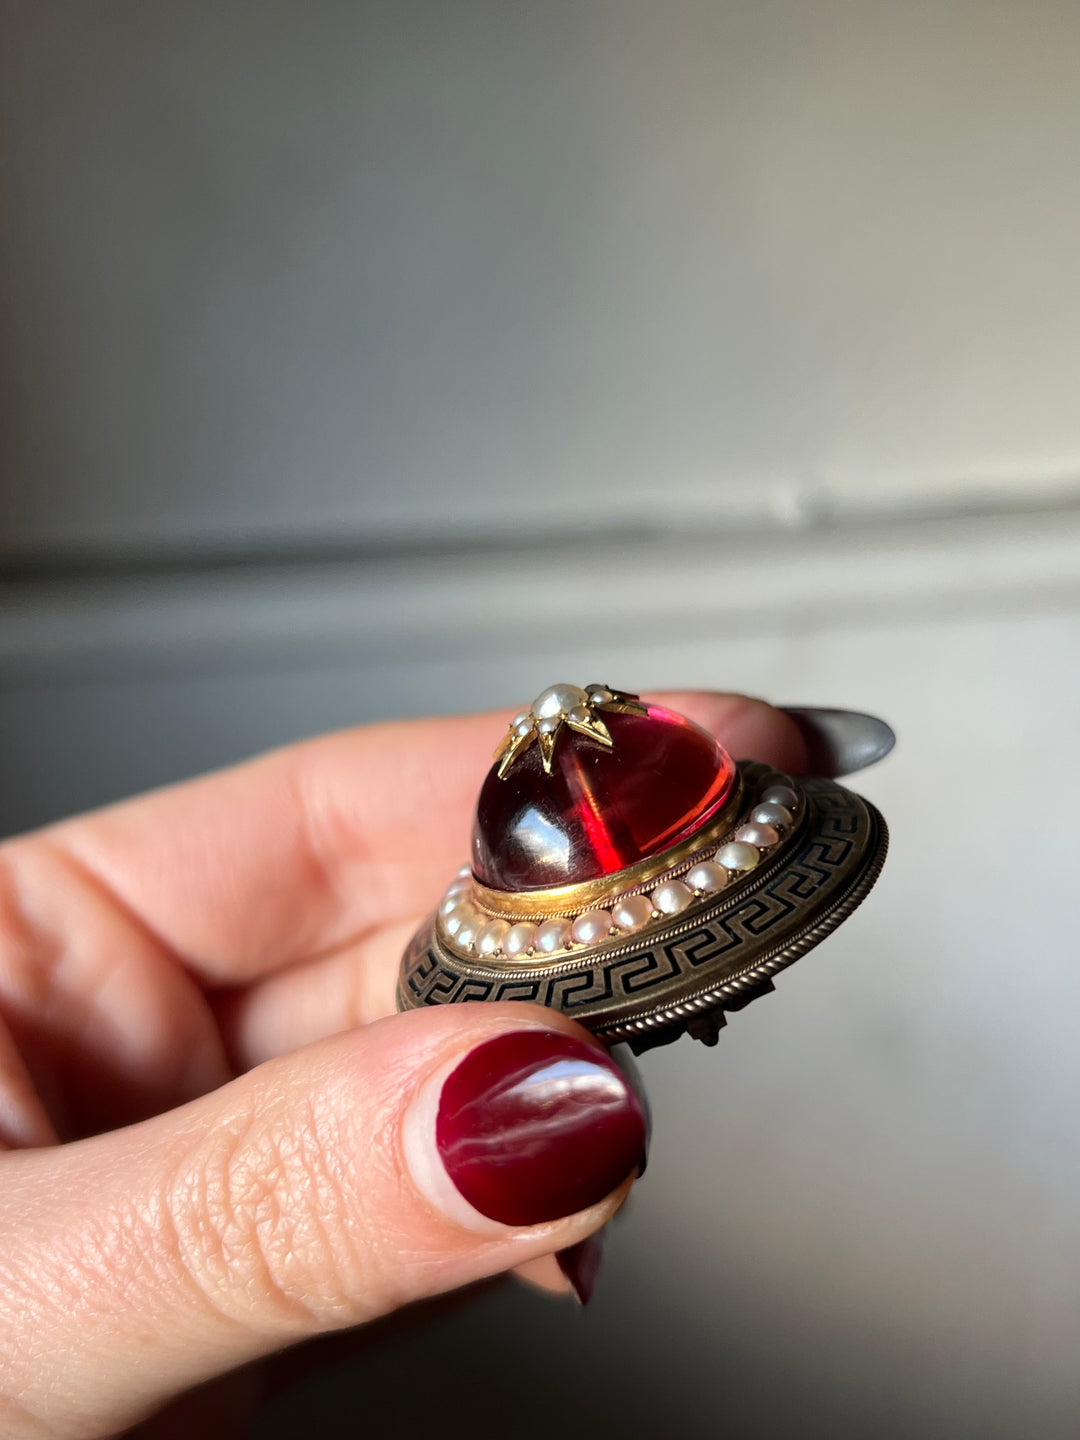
point(513, 745)
point(547, 748)
point(625, 705)
point(593, 728)
point(623, 702)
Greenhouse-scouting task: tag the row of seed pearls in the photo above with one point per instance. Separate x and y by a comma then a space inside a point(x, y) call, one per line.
point(475, 933)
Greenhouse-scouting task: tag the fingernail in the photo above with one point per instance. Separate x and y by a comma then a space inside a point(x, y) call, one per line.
point(839, 742)
point(623, 1057)
point(534, 1125)
point(581, 1265)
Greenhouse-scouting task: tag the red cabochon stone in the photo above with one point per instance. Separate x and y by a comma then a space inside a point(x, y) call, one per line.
point(599, 810)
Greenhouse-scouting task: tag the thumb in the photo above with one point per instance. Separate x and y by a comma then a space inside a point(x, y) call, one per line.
point(319, 1190)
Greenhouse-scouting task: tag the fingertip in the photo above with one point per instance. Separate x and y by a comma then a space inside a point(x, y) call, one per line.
point(280, 1204)
point(544, 1274)
point(748, 728)
point(570, 1273)
point(581, 1265)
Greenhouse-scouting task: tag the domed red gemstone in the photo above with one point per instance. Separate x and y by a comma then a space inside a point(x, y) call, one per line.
point(599, 810)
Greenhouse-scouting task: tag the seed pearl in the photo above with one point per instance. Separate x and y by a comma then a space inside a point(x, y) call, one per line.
point(761, 835)
point(552, 935)
point(491, 937)
point(521, 718)
point(459, 916)
point(556, 700)
point(671, 897)
point(599, 694)
point(450, 904)
point(591, 927)
point(468, 931)
point(519, 938)
point(463, 873)
point(524, 728)
point(708, 876)
point(579, 715)
point(737, 856)
point(547, 726)
point(780, 795)
point(772, 815)
point(632, 912)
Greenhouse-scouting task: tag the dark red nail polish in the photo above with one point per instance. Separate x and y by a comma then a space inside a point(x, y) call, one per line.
point(623, 1057)
point(581, 1265)
point(534, 1125)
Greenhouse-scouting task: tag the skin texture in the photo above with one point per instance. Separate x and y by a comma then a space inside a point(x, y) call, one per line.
point(204, 1090)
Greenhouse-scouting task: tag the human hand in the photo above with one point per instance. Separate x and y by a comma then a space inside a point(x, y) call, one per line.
point(219, 1137)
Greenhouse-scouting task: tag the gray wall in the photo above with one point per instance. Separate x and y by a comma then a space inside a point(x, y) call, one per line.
point(283, 270)
point(379, 359)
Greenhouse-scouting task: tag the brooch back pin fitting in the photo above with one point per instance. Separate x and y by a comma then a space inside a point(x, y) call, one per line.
point(627, 871)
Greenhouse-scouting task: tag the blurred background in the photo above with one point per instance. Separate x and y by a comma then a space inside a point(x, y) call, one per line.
point(364, 359)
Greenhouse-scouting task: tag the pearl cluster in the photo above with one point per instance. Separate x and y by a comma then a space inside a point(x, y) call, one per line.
point(553, 709)
point(474, 932)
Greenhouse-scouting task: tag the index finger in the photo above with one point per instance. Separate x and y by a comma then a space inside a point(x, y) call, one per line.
point(305, 849)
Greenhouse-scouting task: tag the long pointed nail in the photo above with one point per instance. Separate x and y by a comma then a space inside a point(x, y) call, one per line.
point(839, 742)
point(581, 1264)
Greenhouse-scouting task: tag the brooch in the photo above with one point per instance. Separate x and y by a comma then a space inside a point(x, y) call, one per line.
point(627, 871)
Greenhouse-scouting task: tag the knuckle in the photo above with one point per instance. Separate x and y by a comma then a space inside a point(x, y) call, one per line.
point(260, 1223)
